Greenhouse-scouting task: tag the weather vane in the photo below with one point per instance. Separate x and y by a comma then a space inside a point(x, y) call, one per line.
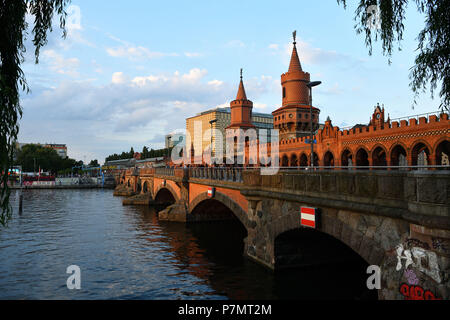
point(241, 73)
point(294, 34)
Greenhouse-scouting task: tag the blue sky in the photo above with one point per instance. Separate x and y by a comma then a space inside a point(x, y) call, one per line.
point(131, 71)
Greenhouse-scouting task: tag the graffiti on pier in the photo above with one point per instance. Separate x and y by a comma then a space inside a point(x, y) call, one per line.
point(441, 244)
point(411, 277)
point(423, 260)
point(411, 242)
point(413, 292)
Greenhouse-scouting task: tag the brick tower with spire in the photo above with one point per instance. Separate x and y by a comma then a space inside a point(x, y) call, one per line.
point(292, 119)
point(241, 110)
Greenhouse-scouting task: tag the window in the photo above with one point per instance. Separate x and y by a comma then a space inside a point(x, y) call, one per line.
point(284, 92)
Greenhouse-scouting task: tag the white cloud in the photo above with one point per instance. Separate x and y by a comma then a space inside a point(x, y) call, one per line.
point(215, 83)
point(59, 64)
point(118, 78)
point(235, 43)
point(193, 54)
point(307, 53)
point(136, 53)
point(261, 106)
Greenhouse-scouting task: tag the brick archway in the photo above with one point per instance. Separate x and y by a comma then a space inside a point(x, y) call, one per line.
point(303, 160)
point(293, 160)
point(416, 148)
point(346, 157)
point(170, 189)
point(362, 156)
point(379, 155)
point(441, 146)
point(237, 210)
point(329, 159)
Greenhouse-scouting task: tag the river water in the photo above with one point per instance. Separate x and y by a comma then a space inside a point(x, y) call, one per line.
point(124, 252)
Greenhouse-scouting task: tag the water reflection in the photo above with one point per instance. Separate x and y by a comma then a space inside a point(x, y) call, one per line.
point(126, 253)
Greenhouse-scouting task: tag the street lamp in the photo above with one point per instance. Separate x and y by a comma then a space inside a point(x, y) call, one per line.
point(168, 146)
point(310, 85)
point(211, 124)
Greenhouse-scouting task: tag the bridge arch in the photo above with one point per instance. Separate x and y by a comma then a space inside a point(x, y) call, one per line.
point(164, 193)
point(223, 199)
point(366, 248)
point(309, 252)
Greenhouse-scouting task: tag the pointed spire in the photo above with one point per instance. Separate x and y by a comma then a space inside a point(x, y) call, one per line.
point(295, 65)
point(241, 92)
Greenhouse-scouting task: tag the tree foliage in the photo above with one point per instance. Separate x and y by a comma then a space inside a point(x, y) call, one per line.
point(94, 163)
point(145, 154)
point(32, 157)
point(432, 64)
point(13, 33)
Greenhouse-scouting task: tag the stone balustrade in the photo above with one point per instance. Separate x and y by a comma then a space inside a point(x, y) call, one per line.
point(220, 174)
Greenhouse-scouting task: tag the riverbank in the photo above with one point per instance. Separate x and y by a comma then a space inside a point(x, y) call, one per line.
point(76, 186)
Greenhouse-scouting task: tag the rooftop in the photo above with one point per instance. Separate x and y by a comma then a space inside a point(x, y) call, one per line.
point(228, 110)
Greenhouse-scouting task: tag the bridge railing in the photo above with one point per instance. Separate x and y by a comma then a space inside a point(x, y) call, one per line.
point(165, 171)
point(424, 192)
point(220, 174)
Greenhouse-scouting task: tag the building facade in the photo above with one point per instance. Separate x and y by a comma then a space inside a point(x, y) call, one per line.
point(217, 119)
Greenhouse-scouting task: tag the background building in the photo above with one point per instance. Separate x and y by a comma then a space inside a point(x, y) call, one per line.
point(61, 149)
point(222, 119)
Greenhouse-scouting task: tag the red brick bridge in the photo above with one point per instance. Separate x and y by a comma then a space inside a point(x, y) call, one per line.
point(397, 220)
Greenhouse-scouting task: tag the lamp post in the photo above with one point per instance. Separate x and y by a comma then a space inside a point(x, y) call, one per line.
point(310, 85)
point(168, 147)
point(211, 124)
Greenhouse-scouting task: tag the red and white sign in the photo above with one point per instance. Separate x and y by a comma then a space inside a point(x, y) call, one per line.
point(308, 217)
point(211, 192)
